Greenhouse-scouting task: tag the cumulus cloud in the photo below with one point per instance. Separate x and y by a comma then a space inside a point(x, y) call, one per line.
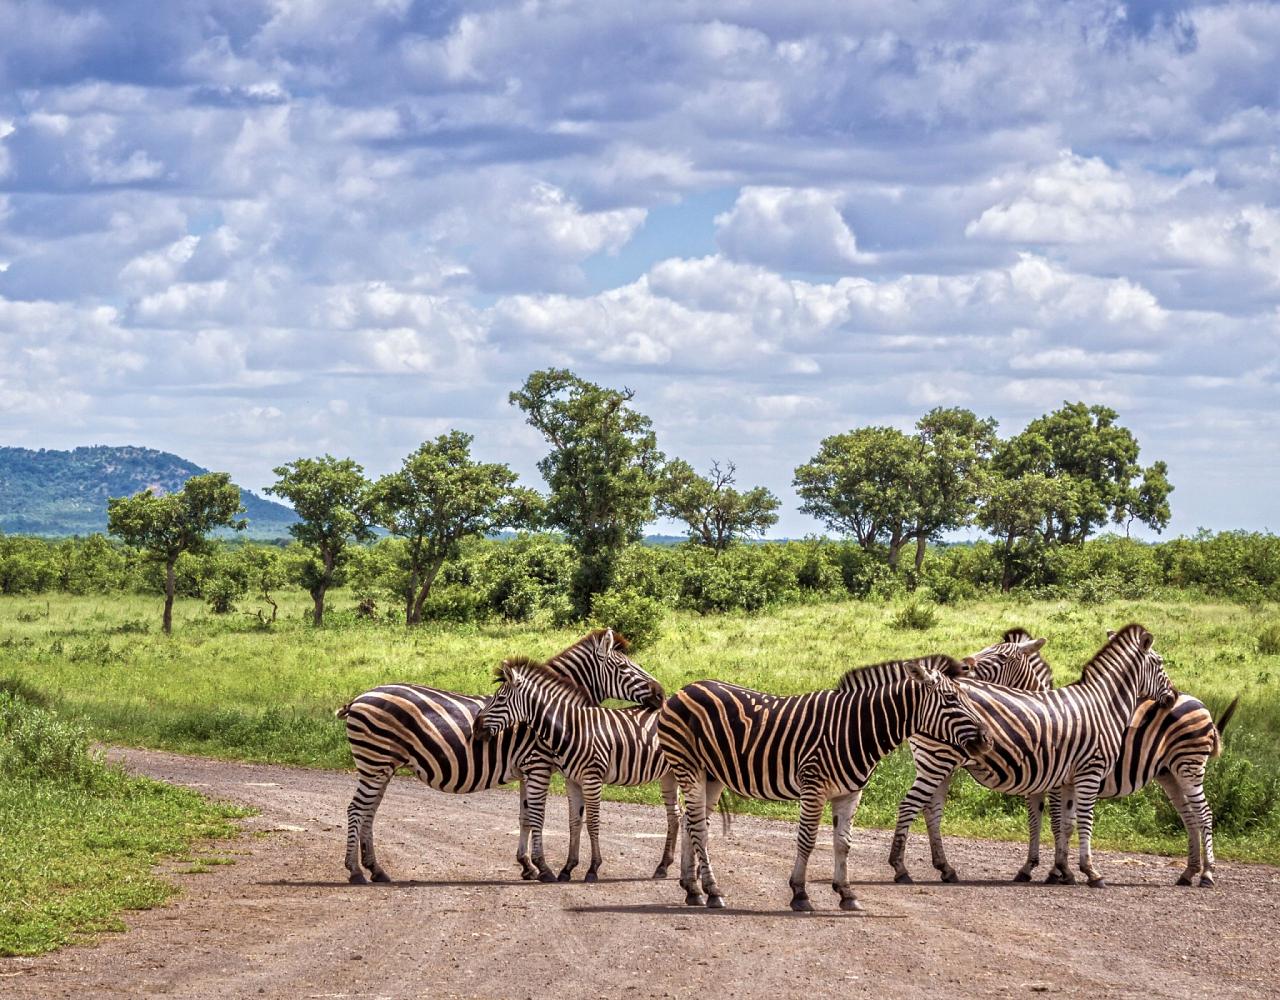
point(345, 225)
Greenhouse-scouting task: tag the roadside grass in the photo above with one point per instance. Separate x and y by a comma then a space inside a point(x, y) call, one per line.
point(226, 686)
point(78, 837)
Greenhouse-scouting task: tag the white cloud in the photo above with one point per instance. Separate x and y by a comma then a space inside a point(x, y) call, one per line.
point(788, 228)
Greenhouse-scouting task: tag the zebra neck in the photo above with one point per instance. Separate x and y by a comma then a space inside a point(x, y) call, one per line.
point(547, 720)
point(1119, 690)
point(892, 716)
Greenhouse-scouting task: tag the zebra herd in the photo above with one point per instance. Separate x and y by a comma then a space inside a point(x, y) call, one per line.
point(994, 713)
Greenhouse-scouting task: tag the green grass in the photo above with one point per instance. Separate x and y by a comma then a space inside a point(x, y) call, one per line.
point(224, 686)
point(79, 838)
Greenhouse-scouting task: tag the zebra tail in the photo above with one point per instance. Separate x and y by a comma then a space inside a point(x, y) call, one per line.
point(730, 802)
point(344, 711)
point(1222, 723)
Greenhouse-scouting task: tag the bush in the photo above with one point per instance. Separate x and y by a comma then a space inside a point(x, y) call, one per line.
point(917, 616)
point(36, 743)
point(637, 617)
point(456, 604)
point(1269, 639)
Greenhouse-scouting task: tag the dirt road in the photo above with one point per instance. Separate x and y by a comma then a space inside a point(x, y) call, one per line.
point(283, 922)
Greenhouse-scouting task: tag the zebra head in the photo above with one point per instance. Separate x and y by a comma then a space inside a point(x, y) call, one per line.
point(1137, 645)
point(513, 702)
point(608, 672)
point(943, 711)
point(1013, 662)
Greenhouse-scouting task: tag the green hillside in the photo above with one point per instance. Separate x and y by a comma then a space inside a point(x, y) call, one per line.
point(65, 492)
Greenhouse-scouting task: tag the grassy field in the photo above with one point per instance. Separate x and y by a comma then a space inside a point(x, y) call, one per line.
point(78, 838)
point(226, 686)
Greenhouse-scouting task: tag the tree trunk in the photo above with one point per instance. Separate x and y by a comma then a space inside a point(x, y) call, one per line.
point(895, 551)
point(921, 542)
point(170, 585)
point(421, 599)
point(317, 595)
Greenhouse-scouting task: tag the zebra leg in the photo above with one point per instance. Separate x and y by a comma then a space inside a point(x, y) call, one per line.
point(1086, 798)
point(527, 871)
point(842, 809)
point(575, 828)
point(933, 822)
point(591, 785)
point(673, 824)
point(917, 797)
point(712, 790)
point(810, 816)
point(1197, 802)
point(533, 801)
point(1062, 804)
point(1191, 820)
point(370, 787)
point(1035, 819)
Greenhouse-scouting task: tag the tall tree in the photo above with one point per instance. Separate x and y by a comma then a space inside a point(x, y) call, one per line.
point(859, 484)
point(440, 496)
point(329, 495)
point(715, 512)
point(1016, 511)
point(1085, 447)
point(166, 526)
point(602, 471)
point(946, 480)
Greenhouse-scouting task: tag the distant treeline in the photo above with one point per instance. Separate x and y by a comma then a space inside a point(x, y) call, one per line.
point(531, 575)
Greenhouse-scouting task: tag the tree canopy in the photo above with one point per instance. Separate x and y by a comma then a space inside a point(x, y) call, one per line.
point(602, 471)
point(329, 496)
point(438, 497)
point(166, 526)
point(714, 511)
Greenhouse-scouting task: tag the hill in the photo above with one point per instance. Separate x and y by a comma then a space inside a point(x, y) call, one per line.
point(65, 492)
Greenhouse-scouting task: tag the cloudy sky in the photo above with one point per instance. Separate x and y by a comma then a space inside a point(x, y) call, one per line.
point(248, 231)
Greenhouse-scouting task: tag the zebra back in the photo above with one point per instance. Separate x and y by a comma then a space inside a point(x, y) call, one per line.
point(1014, 662)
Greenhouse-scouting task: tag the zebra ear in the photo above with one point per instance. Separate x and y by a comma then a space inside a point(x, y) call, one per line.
point(607, 641)
point(1110, 635)
point(924, 672)
point(1031, 646)
point(1147, 641)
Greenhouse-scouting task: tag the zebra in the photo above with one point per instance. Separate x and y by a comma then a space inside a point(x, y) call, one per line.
point(593, 746)
point(812, 747)
point(432, 732)
point(1171, 746)
point(1066, 739)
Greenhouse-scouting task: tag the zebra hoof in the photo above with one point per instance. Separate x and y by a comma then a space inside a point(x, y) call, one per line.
point(529, 874)
point(1067, 878)
point(850, 905)
point(1097, 883)
point(950, 877)
point(1022, 877)
point(564, 876)
point(1053, 878)
point(1183, 880)
point(1206, 881)
point(801, 904)
point(591, 877)
point(695, 899)
point(547, 876)
point(660, 871)
point(381, 876)
point(357, 878)
point(715, 902)
point(904, 878)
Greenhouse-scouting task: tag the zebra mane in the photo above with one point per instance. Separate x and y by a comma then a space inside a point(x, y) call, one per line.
point(543, 673)
point(1131, 633)
point(892, 671)
point(620, 641)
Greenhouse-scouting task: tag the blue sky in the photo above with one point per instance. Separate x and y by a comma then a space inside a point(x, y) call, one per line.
point(246, 232)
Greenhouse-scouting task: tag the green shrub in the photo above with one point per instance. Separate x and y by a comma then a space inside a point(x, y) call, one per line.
point(915, 615)
point(35, 742)
point(637, 617)
point(1269, 639)
point(454, 603)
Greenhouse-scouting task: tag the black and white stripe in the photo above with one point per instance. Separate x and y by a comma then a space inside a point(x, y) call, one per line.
point(431, 731)
point(813, 747)
point(593, 746)
point(1066, 740)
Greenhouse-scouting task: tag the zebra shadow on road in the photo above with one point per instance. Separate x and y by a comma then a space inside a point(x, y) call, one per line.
point(430, 883)
point(1007, 883)
point(702, 912)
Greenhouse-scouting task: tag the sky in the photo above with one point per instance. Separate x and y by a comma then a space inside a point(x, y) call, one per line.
point(246, 232)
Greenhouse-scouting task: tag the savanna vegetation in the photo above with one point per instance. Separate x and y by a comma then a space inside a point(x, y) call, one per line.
point(401, 578)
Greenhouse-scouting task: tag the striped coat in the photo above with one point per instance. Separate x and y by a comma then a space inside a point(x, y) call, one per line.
point(593, 746)
point(1066, 739)
point(431, 732)
point(813, 747)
